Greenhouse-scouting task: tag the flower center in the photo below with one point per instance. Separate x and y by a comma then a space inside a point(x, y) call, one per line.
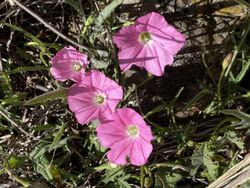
point(99, 99)
point(132, 131)
point(77, 67)
point(145, 37)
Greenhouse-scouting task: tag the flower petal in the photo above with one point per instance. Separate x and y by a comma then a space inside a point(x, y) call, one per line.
point(140, 152)
point(152, 19)
point(109, 133)
point(156, 66)
point(128, 57)
point(126, 37)
point(170, 38)
point(79, 97)
point(119, 152)
point(86, 115)
point(145, 132)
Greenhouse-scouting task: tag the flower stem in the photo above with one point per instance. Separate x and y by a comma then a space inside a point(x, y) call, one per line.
point(219, 87)
point(142, 176)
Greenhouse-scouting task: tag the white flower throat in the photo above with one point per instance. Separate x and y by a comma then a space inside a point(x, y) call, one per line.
point(99, 98)
point(77, 66)
point(145, 37)
point(132, 131)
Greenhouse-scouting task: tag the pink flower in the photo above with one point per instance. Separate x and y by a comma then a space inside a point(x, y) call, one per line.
point(68, 63)
point(150, 43)
point(96, 97)
point(127, 136)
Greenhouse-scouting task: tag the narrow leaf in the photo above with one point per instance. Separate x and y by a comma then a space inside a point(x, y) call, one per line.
point(107, 11)
point(57, 138)
point(27, 34)
point(24, 69)
point(58, 94)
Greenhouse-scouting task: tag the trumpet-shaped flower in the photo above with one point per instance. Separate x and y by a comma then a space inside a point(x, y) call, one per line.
point(127, 136)
point(96, 97)
point(68, 63)
point(150, 43)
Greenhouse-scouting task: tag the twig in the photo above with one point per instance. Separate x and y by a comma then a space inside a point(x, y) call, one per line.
point(41, 20)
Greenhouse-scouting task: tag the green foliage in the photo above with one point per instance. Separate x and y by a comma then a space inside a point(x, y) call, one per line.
point(243, 117)
point(165, 177)
point(15, 162)
point(58, 94)
point(202, 158)
point(232, 137)
point(114, 174)
point(57, 138)
point(43, 162)
point(107, 11)
point(40, 163)
point(242, 73)
point(24, 69)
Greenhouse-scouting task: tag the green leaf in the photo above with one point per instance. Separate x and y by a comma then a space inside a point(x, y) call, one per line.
point(24, 69)
point(42, 167)
point(244, 69)
point(166, 178)
point(103, 60)
point(42, 127)
point(231, 136)
point(27, 34)
point(243, 117)
point(22, 181)
point(57, 138)
point(58, 94)
point(102, 167)
point(16, 99)
point(202, 157)
point(16, 162)
point(123, 184)
point(107, 11)
point(112, 175)
point(40, 163)
point(88, 23)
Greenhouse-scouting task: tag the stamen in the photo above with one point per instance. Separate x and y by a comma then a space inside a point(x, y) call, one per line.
point(132, 131)
point(77, 67)
point(145, 37)
point(99, 99)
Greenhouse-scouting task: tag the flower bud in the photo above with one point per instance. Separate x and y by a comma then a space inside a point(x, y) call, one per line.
point(227, 61)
